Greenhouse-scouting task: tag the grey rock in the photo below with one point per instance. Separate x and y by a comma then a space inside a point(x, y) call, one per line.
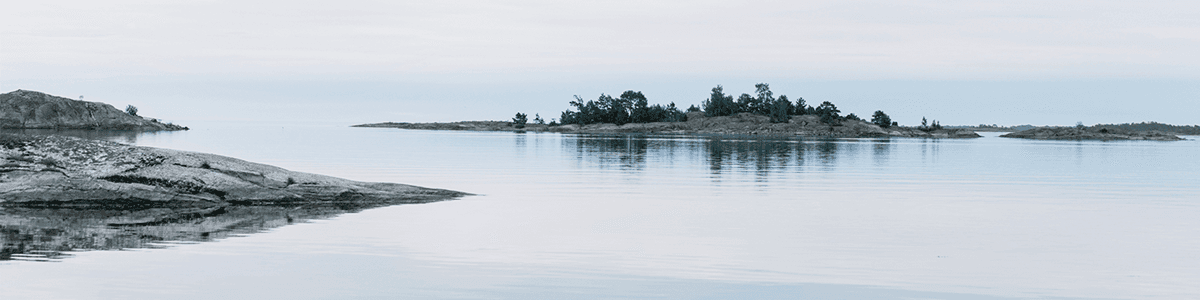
point(37, 110)
point(58, 171)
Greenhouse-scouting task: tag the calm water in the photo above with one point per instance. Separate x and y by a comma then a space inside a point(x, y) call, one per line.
point(666, 217)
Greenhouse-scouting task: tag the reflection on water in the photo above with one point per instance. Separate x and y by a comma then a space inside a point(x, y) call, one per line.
point(722, 155)
point(47, 234)
point(567, 216)
point(627, 152)
point(120, 136)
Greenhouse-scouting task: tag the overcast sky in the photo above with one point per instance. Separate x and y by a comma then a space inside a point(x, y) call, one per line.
point(963, 62)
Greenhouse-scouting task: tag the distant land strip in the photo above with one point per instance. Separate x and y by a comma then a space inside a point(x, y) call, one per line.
point(746, 124)
point(1135, 127)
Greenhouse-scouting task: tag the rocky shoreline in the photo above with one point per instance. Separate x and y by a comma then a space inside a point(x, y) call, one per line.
point(23, 109)
point(1090, 133)
point(66, 172)
point(697, 123)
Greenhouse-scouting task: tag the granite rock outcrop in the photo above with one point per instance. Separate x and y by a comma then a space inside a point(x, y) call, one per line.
point(23, 109)
point(57, 171)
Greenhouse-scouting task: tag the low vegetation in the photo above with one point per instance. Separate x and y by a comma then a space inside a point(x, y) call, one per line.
point(1154, 126)
point(633, 107)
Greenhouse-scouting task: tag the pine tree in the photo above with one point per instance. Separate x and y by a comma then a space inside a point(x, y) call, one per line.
point(520, 120)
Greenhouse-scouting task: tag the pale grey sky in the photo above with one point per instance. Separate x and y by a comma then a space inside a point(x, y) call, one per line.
point(370, 61)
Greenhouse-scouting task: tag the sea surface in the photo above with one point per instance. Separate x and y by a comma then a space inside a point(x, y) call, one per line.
point(560, 216)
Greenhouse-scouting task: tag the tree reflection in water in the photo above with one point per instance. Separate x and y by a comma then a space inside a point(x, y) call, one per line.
point(623, 151)
point(722, 153)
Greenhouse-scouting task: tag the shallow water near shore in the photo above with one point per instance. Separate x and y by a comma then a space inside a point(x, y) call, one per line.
point(677, 217)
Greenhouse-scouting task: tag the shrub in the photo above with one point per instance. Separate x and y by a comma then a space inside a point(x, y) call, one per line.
point(131, 110)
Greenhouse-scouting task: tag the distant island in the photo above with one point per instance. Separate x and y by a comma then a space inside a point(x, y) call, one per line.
point(1099, 132)
point(760, 114)
point(1133, 127)
point(23, 109)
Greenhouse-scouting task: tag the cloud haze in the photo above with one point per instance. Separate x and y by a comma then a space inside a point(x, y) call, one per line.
point(526, 42)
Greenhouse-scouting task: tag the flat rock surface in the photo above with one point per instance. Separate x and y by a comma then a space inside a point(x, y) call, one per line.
point(697, 123)
point(36, 110)
point(1089, 133)
point(58, 171)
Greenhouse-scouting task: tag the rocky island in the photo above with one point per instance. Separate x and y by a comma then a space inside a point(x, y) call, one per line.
point(762, 114)
point(1090, 133)
point(697, 123)
point(23, 109)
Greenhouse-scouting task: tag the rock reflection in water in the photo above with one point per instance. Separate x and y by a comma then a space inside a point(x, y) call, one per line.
point(40, 234)
point(762, 155)
point(120, 136)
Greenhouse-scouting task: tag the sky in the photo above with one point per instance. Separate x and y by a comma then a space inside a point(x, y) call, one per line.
point(960, 62)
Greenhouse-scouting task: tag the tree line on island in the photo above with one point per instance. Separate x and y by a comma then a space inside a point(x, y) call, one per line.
point(633, 107)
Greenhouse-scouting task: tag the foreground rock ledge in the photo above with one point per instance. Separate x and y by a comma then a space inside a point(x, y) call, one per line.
point(1090, 133)
point(67, 172)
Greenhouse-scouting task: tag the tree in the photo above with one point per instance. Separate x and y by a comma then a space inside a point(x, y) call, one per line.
point(520, 120)
point(881, 119)
point(746, 103)
point(640, 112)
point(801, 108)
point(631, 106)
point(719, 104)
point(926, 127)
point(537, 119)
point(613, 110)
point(779, 110)
point(764, 99)
point(828, 112)
point(791, 109)
point(131, 110)
point(853, 116)
point(568, 117)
